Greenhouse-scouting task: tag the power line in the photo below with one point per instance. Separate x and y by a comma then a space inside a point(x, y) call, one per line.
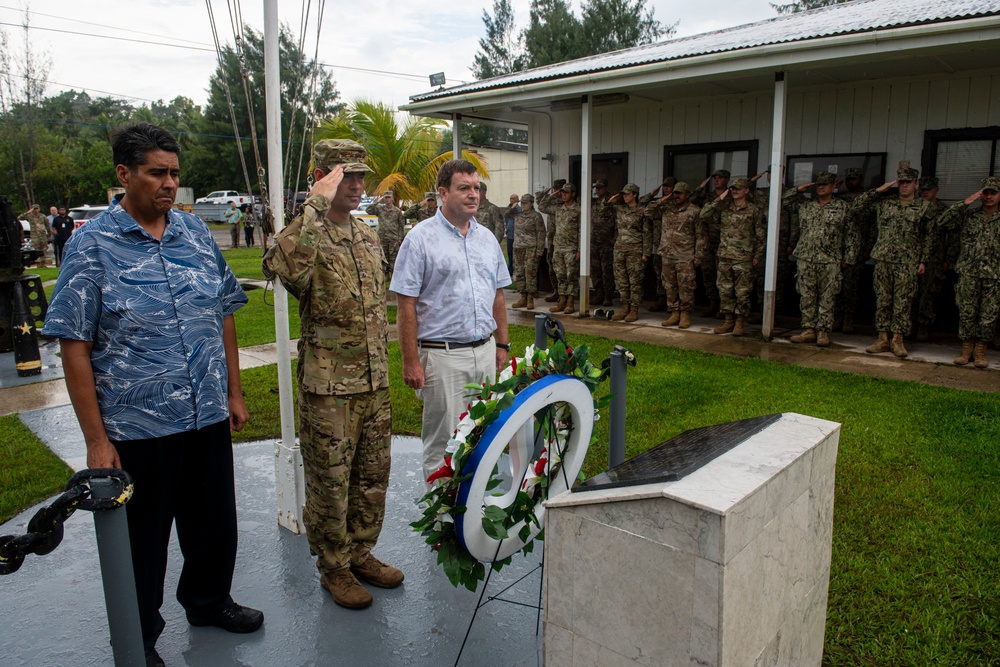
point(99, 25)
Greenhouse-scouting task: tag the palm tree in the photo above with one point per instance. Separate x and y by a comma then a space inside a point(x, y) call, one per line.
point(405, 158)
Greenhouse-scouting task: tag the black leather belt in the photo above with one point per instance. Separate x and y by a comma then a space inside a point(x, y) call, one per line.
point(443, 345)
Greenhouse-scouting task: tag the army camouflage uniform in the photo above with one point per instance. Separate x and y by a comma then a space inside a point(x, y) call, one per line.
point(390, 230)
point(635, 239)
point(681, 243)
point(822, 243)
point(786, 221)
point(491, 217)
point(39, 232)
point(929, 285)
point(742, 237)
point(602, 248)
point(709, 260)
point(977, 293)
point(338, 273)
point(861, 227)
point(898, 251)
point(420, 211)
point(566, 243)
point(550, 231)
point(529, 244)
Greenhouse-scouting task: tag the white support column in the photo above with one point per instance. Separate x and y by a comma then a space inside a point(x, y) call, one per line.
point(776, 180)
point(288, 473)
point(456, 136)
point(584, 199)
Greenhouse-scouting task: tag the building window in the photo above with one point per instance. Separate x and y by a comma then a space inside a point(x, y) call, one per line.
point(801, 169)
point(692, 163)
point(961, 159)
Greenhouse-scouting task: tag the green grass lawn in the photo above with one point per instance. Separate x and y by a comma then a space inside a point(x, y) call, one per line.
point(29, 472)
point(915, 551)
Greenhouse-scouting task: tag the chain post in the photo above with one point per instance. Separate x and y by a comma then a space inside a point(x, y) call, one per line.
point(115, 552)
point(620, 358)
point(541, 339)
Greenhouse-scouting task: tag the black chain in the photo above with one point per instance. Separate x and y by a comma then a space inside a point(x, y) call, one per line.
point(45, 530)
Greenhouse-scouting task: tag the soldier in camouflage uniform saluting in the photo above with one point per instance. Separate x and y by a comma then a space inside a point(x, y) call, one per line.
point(565, 215)
point(529, 246)
point(423, 210)
point(742, 236)
point(899, 255)
point(633, 247)
point(602, 244)
point(943, 249)
point(490, 216)
point(333, 265)
point(709, 271)
point(978, 290)
point(390, 227)
point(542, 198)
point(823, 247)
point(682, 241)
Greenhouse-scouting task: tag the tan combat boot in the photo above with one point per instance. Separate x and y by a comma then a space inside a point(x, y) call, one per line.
point(897, 345)
point(633, 314)
point(880, 345)
point(823, 338)
point(377, 573)
point(570, 306)
point(726, 326)
point(673, 320)
point(345, 589)
point(807, 336)
point(522, 302)
point(559, 306)
point(738, 326)
point(848, 327)
point(531, 302)
point(552, 298)
point(966, 355)
point(685, 319)
point(620, 315)
point(980, 355)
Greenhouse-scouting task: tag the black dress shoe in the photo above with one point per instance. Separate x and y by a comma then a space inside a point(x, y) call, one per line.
point(153, 658)
point(232, 618)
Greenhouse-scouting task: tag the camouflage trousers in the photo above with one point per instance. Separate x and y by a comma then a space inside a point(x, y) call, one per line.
point(657, 262)
point(895, 287)
point(628, 276)
point(602, 265)
point(526, 269)
point(847, 302)
point(390, 248)
point(735, 283)
point(928, 287)
point(679, 283)
point(345, 455)
point(710, 271)
point(567, 271)
point(818, 285)
point(552, 269)
point(978, 302)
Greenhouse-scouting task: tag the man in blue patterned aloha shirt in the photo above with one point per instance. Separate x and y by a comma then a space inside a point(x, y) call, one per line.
point(144, 310)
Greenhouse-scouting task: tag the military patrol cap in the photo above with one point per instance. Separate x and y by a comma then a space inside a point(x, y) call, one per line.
point(991, 183)
point(854, 172)
point(907, 174)
point(600, 183)
point(430, 195)
point(724, 173)
point(740, 184)
point(568, 187)
point(826, 178)
point(682, 187)
point(350, 155)
point(669, 182)
point(528, 198)
point(631, 187)
point(928, 183)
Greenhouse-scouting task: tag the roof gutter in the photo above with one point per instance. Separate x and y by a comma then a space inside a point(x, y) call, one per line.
point(783, 56)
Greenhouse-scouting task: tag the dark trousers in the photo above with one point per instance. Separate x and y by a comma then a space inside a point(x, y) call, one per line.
point(58, 250)
point(185, 478)
point(510, 259)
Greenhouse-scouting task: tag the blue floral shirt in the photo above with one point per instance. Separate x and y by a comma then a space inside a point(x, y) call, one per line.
point(154, 312)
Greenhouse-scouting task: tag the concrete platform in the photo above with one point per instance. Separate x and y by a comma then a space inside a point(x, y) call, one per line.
point(54, 605)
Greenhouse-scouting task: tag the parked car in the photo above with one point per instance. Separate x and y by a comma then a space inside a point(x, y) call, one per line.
point(81, 214)
point(225, 197)
point(362, 215)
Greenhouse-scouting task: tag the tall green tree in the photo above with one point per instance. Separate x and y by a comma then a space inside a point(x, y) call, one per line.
point(502, 49)
point(405, 156)
point(611, 25)
point(804, 5)
point(554, 33)
point(215, 163)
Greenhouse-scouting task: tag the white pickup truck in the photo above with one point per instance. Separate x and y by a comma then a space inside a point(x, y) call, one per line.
point(225, 197)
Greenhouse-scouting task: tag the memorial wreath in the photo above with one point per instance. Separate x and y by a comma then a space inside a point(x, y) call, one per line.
point(553, 425)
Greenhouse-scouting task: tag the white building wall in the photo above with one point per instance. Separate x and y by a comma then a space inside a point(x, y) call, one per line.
point(871, 116)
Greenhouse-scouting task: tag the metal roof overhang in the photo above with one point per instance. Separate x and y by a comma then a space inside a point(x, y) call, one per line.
point(919, 50)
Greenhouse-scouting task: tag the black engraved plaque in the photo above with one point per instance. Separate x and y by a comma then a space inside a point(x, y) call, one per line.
point(680, 456)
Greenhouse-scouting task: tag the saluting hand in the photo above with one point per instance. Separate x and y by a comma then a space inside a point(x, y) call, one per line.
point(973, 197)
point(327, 186)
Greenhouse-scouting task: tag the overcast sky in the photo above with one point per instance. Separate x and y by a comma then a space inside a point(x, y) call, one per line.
point(164, 48)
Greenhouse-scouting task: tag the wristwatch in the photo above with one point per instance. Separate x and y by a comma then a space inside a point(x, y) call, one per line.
point(504, 346)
